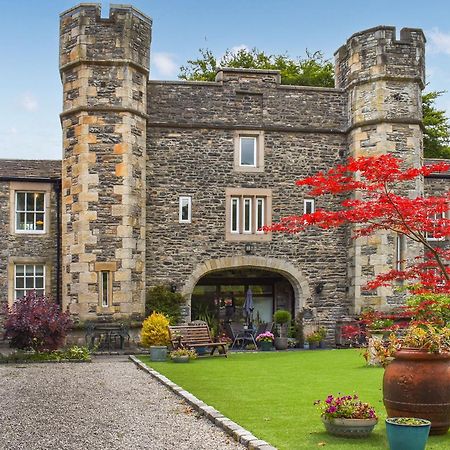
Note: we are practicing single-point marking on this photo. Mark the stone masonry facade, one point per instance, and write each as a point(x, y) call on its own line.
point(132, 147)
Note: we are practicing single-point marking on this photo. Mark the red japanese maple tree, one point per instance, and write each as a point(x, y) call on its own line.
point(379, 203)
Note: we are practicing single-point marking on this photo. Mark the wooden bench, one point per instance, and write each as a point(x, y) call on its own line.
point(194, 336)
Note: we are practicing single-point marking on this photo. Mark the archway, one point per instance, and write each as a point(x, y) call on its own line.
point(219, 272)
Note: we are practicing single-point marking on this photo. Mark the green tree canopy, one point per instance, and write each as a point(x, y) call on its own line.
point(436, 138)
point(314, 70)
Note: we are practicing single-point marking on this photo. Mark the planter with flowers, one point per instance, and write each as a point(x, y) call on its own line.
point(182, 355)
point(347, 416)
point(265, 341)
point(314, 339)
point(417, 382)
point(407, 433)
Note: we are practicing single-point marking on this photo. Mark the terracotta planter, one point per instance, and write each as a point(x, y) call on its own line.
point(417, 384)
point(353, 428)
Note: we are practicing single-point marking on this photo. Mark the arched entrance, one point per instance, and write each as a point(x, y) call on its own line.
point(275, 283)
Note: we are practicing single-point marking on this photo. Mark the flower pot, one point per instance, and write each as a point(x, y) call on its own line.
point(180, 359)
point(417, 384)
point(313, 345)
point(351, 428)
point(407, 437)
point(281, 343)
point(265, 346)
point(158, 353)
point(201, 351)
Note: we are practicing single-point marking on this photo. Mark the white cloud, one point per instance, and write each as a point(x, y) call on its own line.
point(29, 102)
point(165, 64)
point(439, 42)
point(234, 50)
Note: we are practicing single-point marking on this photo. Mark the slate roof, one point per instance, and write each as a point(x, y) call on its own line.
point(30, 168)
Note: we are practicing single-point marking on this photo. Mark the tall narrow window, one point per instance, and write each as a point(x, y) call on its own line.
point(29, 278)
point(104, 288)
point(247, 215)
point(185, 214)
point(235, 215)
point(259, 214)
point(30, 212)
point(399, 252)
point(308, 206)
point(247, 154)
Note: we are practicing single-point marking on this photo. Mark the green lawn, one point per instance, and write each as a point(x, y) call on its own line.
point(272, 394)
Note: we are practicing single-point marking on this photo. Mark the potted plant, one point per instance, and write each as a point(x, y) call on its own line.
point(347, 416)
point(313, 340)
point(407, 433)
point(182, 355)
point(322, 334)
point(416, 383)
point(155, 334)
point(265, 341)
point(282, 318)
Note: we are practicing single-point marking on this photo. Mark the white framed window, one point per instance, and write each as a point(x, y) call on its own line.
point(247, 151)
point(248, 215)
point(28, 278)
point(248, 210)
point(104, 290)
point(185, 209)
point(309, 206)
point(234, 219)
point(29, 212)
point(260, 214)
point(430, 236)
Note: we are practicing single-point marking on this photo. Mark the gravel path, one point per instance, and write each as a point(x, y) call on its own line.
point(108, 404)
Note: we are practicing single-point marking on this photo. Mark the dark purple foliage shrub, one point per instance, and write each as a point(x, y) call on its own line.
point(36, 322)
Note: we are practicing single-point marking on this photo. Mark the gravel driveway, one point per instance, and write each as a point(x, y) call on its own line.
point(108, 404)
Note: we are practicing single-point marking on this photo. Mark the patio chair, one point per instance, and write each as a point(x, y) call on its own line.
point(241, 337)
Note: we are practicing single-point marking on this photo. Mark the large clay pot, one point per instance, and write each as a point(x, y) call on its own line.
point(281, 343)
point(417, 384)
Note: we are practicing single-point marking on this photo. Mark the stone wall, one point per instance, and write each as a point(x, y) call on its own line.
point(190, 147)
point(25, 247)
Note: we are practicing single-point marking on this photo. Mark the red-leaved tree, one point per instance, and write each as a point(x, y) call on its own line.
point(379, 205)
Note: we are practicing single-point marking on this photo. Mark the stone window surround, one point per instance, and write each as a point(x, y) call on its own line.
point(248, 192)
point(13, 260)
point(29, 186)
point(259, 135)
point(110, 267)
point(189, 199)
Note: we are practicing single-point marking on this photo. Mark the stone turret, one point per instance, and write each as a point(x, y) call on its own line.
point(104, 66)
point(383, 78)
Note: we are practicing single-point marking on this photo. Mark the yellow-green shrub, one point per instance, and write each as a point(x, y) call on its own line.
point(154, 330)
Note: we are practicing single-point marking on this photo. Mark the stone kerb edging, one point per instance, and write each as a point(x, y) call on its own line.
point(237, 432)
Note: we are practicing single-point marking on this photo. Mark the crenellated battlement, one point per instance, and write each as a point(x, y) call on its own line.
point(376, 53)
point(123, 36)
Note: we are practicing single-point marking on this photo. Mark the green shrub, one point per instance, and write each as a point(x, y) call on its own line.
point(282, 316)
point(162, 300)
point(155, 330)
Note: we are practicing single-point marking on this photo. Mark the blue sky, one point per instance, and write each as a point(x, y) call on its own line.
point(30, 88)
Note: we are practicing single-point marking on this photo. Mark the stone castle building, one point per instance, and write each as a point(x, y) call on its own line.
point(168, 182)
